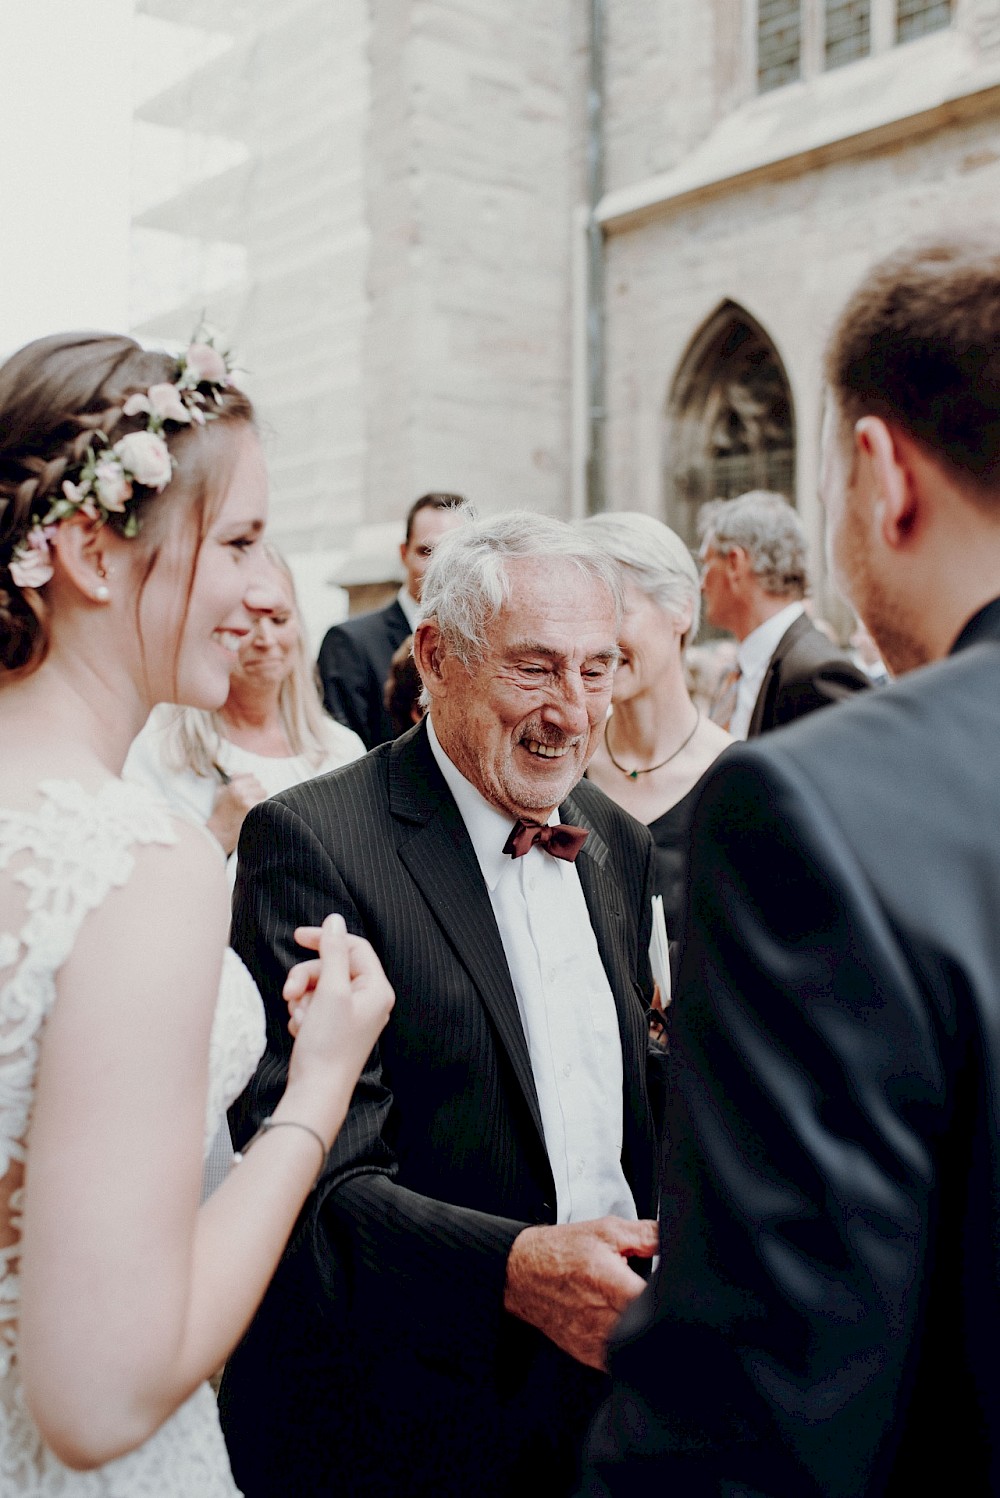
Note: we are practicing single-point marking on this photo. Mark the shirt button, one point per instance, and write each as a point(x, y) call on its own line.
point(567, 1069)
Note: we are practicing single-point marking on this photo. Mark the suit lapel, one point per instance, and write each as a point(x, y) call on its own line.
point(441, 860)
point(761, 708)
point(395, 625)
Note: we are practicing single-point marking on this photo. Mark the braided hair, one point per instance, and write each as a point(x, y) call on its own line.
point(55, 395)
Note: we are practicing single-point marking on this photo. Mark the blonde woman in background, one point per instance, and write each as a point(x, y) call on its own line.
point(271, 732)
point(657, 743)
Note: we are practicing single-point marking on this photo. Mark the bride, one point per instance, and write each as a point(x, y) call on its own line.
point(132, 501)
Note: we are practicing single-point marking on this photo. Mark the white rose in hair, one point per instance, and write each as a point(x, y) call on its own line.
point(202, 361)
point(146, 458)
point(111, 483)
point(165, 402)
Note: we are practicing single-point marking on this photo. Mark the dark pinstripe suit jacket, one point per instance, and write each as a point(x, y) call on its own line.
point(391, 1295)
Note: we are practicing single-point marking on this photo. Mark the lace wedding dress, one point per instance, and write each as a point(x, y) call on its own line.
point(64, 856)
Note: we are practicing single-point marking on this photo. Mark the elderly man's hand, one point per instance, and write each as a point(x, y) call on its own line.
point(573, 1282)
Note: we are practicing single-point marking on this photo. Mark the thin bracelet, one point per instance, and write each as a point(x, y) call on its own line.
point(284, 1123)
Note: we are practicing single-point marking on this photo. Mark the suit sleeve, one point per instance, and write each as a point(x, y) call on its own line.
point(400, 1263)
point(344, 673)
point(770, 1354)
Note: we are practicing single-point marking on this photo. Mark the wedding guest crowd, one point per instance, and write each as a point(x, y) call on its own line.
point(470, 1186)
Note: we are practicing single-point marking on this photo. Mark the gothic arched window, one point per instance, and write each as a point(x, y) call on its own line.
point(731, 426)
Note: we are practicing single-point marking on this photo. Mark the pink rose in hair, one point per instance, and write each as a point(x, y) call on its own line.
point(111, 483)
point(136, 404)
point(146, 457)
point(31, 564)
point(203, 363)
point(165, 402)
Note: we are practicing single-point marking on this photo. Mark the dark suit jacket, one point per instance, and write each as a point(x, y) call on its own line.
point(805, 672)
point(826, 1315)
point(353, 665)
point(384, 1337)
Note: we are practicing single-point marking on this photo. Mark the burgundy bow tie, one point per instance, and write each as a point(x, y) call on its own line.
point(562, 840)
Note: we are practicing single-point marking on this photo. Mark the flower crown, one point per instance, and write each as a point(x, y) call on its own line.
point(106, 478)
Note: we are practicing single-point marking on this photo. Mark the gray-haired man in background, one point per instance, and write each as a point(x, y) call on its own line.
point(754, 580)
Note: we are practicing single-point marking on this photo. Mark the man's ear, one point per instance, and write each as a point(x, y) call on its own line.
point(404, 547)
point(428, 654)
point(884, 468)
point(737, 563)
point(82, 549)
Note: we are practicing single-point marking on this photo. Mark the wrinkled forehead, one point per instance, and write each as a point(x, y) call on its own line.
point(556, 606)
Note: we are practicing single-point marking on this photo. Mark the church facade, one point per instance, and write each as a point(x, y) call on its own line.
point(565, 256)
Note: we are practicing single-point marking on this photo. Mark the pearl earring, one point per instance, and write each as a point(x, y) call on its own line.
point(102, 593)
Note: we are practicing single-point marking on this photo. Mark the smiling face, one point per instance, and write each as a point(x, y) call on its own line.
point(205, 611)
point(523, 722)
point(268, 653)
point(650, 642)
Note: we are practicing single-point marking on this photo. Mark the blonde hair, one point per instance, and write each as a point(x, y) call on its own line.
point(193, 738)
point(656, 559)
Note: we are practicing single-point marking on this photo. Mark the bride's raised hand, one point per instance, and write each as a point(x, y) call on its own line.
point(338, 1002)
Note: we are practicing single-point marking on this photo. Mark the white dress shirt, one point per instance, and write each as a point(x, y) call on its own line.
point(753, 658)
point(409, 605)
point(565, 1002)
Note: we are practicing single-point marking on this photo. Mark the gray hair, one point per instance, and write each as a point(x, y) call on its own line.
point(656, 559)
point(768, 529)
point(466, 584)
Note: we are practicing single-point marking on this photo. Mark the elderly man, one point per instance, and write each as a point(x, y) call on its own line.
point(826, 1314)
point(355, 656)
point(439, 1325)
point(753, 558)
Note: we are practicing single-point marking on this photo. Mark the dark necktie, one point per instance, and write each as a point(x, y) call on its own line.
point(562, 840)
